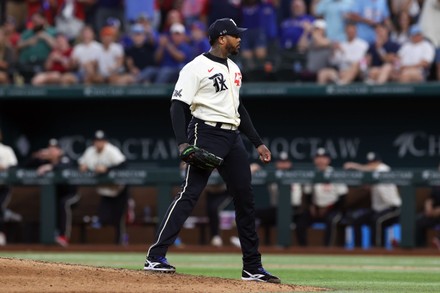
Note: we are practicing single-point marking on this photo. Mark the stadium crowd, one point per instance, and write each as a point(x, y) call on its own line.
point(125, 42)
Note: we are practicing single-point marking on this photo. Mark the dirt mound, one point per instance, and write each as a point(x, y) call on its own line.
point(17, 275)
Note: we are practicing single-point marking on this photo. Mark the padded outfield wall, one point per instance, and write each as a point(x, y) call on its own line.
point(401, 122)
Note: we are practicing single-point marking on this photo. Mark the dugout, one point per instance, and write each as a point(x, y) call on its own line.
point(398, 121)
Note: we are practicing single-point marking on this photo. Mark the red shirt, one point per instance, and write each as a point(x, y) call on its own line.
point(58, 66)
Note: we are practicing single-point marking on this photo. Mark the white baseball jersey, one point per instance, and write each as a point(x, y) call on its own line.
point(7, 157)
point(109, 157)
point(211, 89)
point(384, 196)
point(325, 194)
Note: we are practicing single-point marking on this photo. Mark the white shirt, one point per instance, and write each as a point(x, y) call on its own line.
point(325, 194)
point(429, 21)
point(110, 156)
point(351, 52)
point(7, 157)
point(107, 60)
point(413, 53)
point(85, 53)
point(384, 196)
point(211, 90)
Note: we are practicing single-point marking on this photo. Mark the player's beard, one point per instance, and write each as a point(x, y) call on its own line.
point(233, 50)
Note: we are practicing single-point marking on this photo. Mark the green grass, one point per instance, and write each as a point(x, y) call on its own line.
point(340, 273)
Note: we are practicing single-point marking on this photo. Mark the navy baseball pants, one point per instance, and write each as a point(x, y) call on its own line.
point(235, 171)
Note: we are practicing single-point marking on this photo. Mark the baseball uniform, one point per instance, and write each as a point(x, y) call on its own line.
point(207, 93)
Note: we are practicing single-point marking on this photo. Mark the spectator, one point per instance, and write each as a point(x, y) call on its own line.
point(430, 15)
point(17, 10)
point(347, 57)
point(198, 40)
point(254, 41)
point(415, 57)
point(57, 64)
point(84, 58)
point(135, 9)
point(140, 56)
point(400, 34)
point(106, 9)
point(194, 10)
point(100, 158)
point(70, 18)
point(409, 7)
point(385, 203)
point(47, 8)
point(267, 217)
point(11, 33)
point(366, 14)
point(317, 47)
point(7, 160)
point(334, 13)
point(7, 59)
point(172, 54)
point(110, 65)
point(381, 57)
point(291, 29)
point(173, 16)
point(324, 203)
point(35, 46)
point(52, 158)
point(224, 8)
point(429, 217)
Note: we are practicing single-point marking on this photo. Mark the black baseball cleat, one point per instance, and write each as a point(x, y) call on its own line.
point(158, 264)
point(259, 275)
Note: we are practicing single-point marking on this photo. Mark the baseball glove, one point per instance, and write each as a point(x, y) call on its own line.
point(200, 158)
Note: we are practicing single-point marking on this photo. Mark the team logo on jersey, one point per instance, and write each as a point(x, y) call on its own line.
point(219, 82)
point(177, 93)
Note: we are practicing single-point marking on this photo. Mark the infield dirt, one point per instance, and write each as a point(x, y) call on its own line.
point(18, 275)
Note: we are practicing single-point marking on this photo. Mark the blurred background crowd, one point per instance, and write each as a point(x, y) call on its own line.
point(125, 42)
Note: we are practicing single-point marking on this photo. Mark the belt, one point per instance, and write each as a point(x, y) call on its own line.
point(221, 125)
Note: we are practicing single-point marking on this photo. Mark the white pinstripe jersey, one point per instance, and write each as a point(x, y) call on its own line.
point(211, 89)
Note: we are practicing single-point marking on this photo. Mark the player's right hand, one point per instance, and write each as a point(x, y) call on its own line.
point(182, 146)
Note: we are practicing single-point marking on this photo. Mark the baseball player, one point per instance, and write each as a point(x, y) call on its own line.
point(208, 89)
point(7, 160)
point(100, 158)
point(324, 202)
point(49, 159)
point(385, 203)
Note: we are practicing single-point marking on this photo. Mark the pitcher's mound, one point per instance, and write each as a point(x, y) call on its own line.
point(19, 275)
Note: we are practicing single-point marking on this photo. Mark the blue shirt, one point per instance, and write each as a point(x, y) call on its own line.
point(334, 12)
point(136, 8)
point(375, 10)
point(291, 30)
point(169, 61)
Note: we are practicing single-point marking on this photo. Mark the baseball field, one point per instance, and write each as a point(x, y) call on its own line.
point(40, 271)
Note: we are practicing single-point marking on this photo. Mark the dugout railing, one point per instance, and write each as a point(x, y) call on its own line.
point(165, 178)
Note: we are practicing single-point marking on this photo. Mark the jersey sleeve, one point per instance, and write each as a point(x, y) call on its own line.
point(187, 85)
point(12, 159)
point(116, 156)
point(84, 159)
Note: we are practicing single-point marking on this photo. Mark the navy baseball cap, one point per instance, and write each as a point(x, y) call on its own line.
point(222, 27)
point(322, 152)
point(100, 135)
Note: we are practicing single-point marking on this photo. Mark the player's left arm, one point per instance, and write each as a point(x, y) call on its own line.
point(247, 127)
